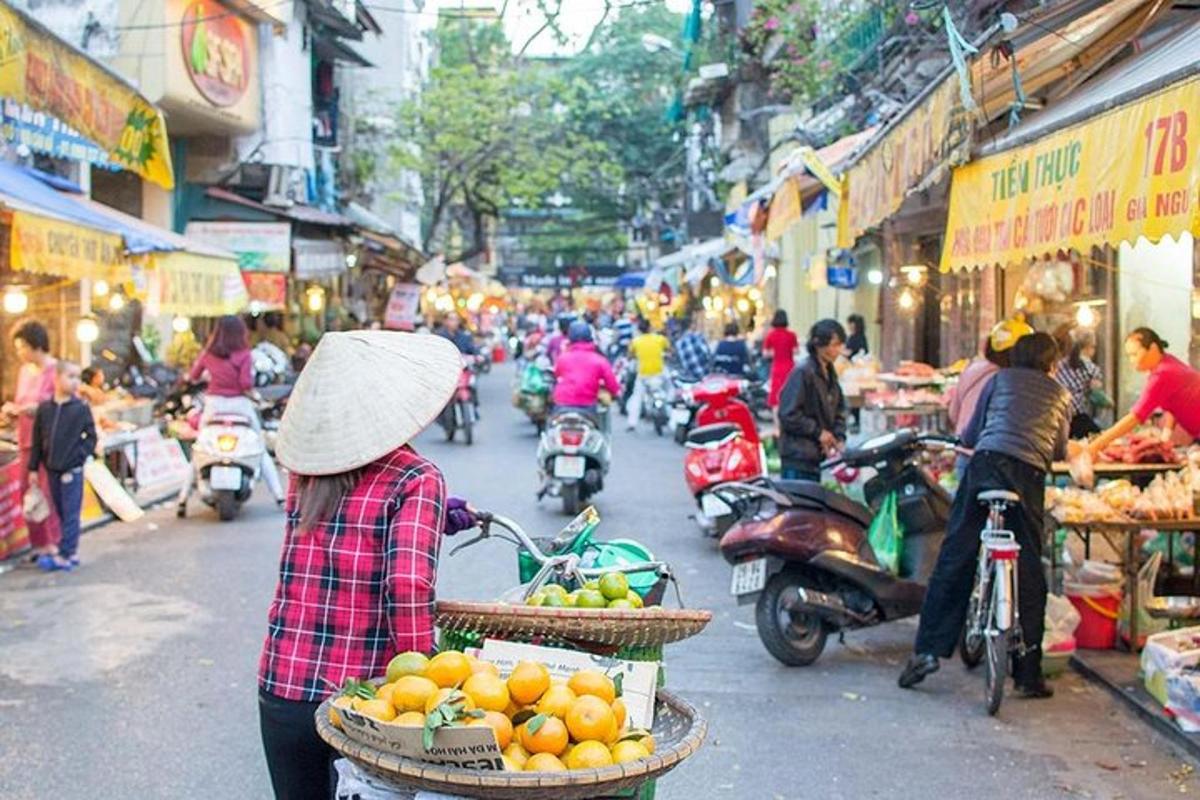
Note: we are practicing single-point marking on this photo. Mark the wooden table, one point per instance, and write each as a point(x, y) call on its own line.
point(1130, 529)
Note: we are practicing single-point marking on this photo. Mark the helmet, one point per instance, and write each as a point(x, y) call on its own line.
point(579, 332)
point(1005, 334)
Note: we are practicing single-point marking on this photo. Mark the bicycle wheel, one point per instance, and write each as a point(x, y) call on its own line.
point(970, 644)
point(996, 646)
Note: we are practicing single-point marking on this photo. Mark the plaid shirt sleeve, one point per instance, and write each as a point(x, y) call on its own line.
point(693, 355)
point(411, 557)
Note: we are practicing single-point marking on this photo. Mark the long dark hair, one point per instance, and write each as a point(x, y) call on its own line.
point(780, 320)
point(1147, 337)
point(1083, 342)
point(229, 337)
point(856, 322)
point(822, 333)
point(318, 497)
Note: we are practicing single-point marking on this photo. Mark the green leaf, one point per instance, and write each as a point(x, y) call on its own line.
point(199, 52)
point(619, 682)
point(535, 724)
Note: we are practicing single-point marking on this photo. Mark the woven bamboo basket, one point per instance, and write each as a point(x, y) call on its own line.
point(678, 732)
point(630, 628)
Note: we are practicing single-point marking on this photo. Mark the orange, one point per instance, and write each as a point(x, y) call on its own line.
point(517, 753)
point(411, 692)
point(556, 702)
point(589, 681)
point(341, 701)
point(413, 719)
point(544, 762)
point(384, 692)
point(618, 707)
point(626, 751)
point(499, 725)
point(529, 681)
point(509, 764)
point(488, 691)
point(410, 663)
point(376, 709)
point(642, 737)
point(442, 695)
point(478, 666)
point(449, 668)
point(591, 719)
point(513, 708)
point(551, 737)
point(589, 755)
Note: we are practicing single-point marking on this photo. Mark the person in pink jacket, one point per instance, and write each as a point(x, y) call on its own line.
point(581, 372)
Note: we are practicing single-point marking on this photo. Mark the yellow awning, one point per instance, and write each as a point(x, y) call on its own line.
point(48, 246)
point(1133, 171)
point(195, 285)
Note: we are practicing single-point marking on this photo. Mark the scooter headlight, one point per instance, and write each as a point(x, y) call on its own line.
point(227, 443)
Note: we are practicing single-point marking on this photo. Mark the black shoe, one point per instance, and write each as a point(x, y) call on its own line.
point(918, 666)
point(1035, 691)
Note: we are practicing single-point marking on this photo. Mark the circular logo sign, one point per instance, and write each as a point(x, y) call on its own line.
point(214, 52)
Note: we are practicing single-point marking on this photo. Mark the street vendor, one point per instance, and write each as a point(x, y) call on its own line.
point(1172, 387)
point(365, 517)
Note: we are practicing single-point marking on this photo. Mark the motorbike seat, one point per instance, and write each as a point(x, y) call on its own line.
point(575, 416)
point(229, 419)
point(712, 434)
point(834, 501)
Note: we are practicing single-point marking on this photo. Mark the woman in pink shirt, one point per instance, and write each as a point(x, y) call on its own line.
point(581, 372)
point(1172, 387)
point(35, 385)
point(226, 360)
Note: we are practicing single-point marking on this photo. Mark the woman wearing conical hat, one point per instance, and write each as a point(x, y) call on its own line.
point(365, 516)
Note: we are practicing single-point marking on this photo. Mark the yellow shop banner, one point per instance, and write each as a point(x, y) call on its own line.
point(41, 71)
point(1134, 171)
point(48, 246)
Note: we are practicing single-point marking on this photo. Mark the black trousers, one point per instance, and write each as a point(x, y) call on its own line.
point(945, 609)
point(300, 763)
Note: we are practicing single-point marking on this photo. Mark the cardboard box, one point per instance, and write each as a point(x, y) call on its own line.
point(1165, 653)
point(471, 747)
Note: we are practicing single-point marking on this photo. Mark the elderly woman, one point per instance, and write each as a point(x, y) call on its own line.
point(365, 517)
point(35, 385)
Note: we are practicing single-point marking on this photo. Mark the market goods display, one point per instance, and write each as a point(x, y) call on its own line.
point(905, 398)
point(610, 590)
point(1140, 448)
point(1169, 497)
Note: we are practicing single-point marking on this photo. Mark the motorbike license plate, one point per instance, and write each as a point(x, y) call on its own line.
point(569, 466)
point(680, 416)
point(713, 506)
point(225, 478)
point(749, 577)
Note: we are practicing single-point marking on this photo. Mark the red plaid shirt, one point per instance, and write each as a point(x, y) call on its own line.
point(359, 589)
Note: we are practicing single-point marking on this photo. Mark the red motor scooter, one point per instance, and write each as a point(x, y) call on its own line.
point(723, 447)
point(801, 551)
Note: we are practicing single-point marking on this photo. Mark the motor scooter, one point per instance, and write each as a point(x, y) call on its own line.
point(461, 413)
point(227, 458)
point(722, 447)
point(800, 552)
point(573, 456)
point(532, 393)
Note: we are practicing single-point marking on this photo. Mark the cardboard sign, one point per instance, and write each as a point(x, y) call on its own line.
point(471, 747)
point(638, 684)
point(160, 463)
point(403, 307)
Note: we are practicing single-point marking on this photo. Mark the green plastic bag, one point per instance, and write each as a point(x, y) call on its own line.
point(886, 535)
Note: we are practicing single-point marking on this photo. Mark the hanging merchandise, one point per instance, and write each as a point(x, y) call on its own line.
point(960, 49)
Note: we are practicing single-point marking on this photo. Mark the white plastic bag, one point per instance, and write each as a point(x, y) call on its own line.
point(1147, 624)
point(34, 505)
point(1062, 618)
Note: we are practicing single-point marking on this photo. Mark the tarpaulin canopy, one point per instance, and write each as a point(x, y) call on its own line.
point(630, 280)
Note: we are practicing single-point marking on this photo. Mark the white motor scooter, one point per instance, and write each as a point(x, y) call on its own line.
point(227, 460)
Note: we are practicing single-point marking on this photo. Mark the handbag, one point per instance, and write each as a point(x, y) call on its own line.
point(34, 505)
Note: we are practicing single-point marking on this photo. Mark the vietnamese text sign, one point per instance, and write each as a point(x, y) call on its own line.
point(196, 285)
point(403, 307)
point(159, 463)
point(46, 74)
point(53, 247)
point(469, 747)
point(1131, 172)
point(266, 290)
point(43, 133)
point(259, 246)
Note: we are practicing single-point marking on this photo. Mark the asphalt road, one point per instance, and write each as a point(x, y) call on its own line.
point(135, 676)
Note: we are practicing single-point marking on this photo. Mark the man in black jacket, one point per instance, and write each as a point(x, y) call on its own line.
point(812, 409)
point(64, 437)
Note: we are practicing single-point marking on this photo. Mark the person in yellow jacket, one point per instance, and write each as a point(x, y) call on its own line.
point(649, 348)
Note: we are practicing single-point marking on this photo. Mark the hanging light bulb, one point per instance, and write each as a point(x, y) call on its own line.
point(1085, 316)
point(15, 300)
point(181, 324)
point(314, 298)
point(87, 330)
point(875, 277)
point(100, 288)
point(116, 302)
point(743, 305)
point(714, 282)
point(907, 300)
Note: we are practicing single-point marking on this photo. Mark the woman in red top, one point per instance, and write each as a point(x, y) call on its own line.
point(781, 344)
point(365, 517)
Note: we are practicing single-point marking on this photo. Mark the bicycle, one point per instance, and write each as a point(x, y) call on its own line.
point(993, 628)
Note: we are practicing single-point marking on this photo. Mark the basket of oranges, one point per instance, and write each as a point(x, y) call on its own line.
point(562, 737)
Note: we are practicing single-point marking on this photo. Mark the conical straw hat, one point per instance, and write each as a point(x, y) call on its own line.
point(362, 395)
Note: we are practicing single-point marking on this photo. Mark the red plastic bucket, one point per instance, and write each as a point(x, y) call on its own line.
point(1098, 614)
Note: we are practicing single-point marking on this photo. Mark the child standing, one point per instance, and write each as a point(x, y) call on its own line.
point(1019, 427)
point(64, 437)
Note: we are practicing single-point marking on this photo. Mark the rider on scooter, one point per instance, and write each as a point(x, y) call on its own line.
point(581, 372)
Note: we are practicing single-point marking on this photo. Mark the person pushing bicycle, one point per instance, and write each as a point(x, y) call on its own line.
point(1019, 428)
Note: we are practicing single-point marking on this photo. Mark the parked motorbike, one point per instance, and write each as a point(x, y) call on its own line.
point(801, 553)
point(461, 413)
point(723, 447)
point(573, 457)
point(533, 391)
point(227, 458)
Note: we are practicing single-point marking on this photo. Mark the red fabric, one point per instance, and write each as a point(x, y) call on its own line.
point(227, 377)
point(360, 589)
point(33, 388)
point(579, 374)
point(781, 343)
point(1174, 387)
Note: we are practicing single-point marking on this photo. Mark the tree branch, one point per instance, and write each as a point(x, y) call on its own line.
point(599, 25)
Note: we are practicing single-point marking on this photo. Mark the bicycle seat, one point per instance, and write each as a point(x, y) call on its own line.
point(998, 496)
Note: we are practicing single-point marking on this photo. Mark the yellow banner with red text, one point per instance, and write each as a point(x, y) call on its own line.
point(1131, 172)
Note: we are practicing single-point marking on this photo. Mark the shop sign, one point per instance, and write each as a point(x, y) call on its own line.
point(160, 464)
point(937, 131)
point(48, 75)
point(215, 52)
point(259, 246)
point(42, 133)
point(196, 285)
point(267, 290)
point(317, 259)
point(403, 307)
point(1131, 172)
point(48, 246)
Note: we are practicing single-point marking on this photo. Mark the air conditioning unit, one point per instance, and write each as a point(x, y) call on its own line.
point(280, 190)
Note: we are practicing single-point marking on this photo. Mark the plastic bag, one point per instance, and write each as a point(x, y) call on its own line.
point(1147, 624)
point(886, 534)
point(1062, 618)
point(34, 505)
